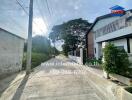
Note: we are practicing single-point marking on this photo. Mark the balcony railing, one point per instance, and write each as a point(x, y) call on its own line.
point(118, 24)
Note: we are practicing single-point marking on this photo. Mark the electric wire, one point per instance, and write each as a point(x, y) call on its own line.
point(27, 13)
point(39, 9)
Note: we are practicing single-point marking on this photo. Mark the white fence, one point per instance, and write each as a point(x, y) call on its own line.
point(76, 59)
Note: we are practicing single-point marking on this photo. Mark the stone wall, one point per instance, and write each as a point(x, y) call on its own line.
point(11, 53)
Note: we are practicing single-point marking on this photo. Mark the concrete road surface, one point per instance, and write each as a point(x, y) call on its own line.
point(57, 79)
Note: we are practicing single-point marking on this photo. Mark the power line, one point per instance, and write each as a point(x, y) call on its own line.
point(51, 9)
point(22, 7)
point(39, 8)
point(26, 12)
point(43, 3)
point(48, 8)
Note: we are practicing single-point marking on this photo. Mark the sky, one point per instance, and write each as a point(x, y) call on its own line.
point(14, 13)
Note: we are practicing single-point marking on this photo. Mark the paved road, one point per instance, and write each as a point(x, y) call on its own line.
point(57, 79)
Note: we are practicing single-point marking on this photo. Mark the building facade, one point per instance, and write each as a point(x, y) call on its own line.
point(114, 29)
point(11, 53)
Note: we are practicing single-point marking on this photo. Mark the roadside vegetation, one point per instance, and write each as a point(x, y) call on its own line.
point(93, 61)
point(116, 61)
point(41, 51)
point(72, 33)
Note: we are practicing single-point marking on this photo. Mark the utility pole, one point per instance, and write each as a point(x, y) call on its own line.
point(29, 41)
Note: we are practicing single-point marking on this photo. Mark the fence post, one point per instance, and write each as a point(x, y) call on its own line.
point(81, 55)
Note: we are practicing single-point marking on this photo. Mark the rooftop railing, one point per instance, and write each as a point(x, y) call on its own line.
point(118, 24)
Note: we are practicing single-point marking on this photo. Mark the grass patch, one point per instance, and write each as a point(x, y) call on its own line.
point(37, 59)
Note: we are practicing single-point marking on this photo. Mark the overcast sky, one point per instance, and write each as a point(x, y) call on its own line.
point(14, 19)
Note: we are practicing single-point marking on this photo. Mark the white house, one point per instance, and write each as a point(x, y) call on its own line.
point(11, 53)
point(115, 29)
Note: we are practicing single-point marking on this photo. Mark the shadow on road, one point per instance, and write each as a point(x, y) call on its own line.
point(6, 81)
point(20, 89)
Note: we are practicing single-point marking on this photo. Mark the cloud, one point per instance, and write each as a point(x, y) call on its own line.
point(62, 11)
point(39, 27)
point(76, 7)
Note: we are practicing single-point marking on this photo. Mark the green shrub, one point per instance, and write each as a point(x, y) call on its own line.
point(93, 61)
point(115, 60)
point(122, 62)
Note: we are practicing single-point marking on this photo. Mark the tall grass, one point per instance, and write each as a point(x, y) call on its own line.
point(37, 59)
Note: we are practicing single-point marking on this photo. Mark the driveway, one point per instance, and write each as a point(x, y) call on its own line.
point(56, 79)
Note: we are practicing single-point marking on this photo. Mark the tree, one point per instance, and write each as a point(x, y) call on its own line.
point(66, 49)
point(55, 34)
point(54, 51)
point(115, 60)
point(41, 44)
point(72, 32)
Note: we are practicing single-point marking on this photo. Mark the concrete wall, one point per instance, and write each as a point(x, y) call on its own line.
point(11, 53)
point(76, 59)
